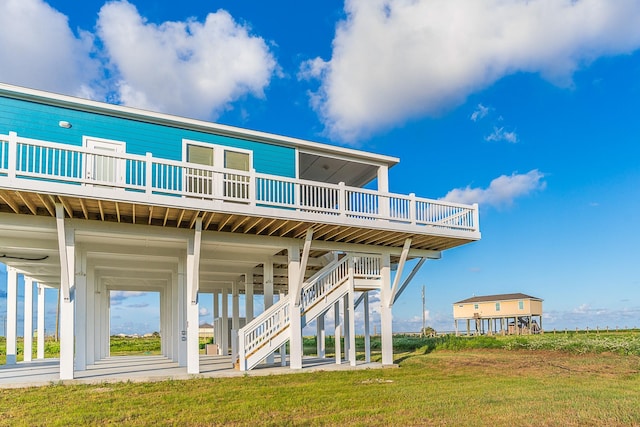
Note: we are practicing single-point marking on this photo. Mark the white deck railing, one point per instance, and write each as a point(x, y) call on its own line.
point(35, 159)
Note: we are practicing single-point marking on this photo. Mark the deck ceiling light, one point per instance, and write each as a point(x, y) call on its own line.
point(64, 124)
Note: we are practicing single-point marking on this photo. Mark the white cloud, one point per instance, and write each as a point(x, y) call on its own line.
point(480, 113)
point(499, 134)
point(117, 297)
point(39, 50)
point(190, 68)
point(501, 191)
point(204, 311)
point(394, 60)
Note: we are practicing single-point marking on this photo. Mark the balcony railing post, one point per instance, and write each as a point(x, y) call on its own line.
point(413, 212)
point(384, 207)
point(253, 184)
point(342, 199)
point(476, 217)
point(148, 180)
point(12, 155)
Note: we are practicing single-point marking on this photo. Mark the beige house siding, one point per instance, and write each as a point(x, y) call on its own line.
point(506, 313)
point(489, 309)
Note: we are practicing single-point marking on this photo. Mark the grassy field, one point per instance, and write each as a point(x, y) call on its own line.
point(563, 380)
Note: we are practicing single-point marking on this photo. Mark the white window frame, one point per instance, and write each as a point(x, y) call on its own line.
point(218, 164)
point(218, 161)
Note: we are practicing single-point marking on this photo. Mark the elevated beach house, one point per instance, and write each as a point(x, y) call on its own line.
point(505, 314)
point(96, 198)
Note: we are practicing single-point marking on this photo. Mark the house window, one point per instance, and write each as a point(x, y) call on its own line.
point(497, 306)
point(475, 306)
point(521, 305)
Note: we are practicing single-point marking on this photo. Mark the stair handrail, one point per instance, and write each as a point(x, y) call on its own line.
point(323, 281)
point(319, 285)
point(264, 327)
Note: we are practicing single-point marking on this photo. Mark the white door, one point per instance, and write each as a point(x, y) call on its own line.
point(102, 165)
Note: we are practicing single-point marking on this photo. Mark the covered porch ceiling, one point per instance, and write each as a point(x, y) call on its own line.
point(319, 168)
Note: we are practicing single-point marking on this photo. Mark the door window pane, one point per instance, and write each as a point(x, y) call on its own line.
point(199, 181)
point(200, 155)
point(236, 161)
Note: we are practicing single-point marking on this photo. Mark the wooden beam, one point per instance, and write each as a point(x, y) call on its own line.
point(84, 208)
point(166, 217)
point(194, 218)
point(278, 227)
point(118, 211)
point(211, 216)
point(133, 218)
point(180, 218)
point(47, 205)
point(28, 203)
point(238, 224)
point(222, 224)
point(287, 230)
point(150, 214)
point(253, 224)
point(101, 209)
point(10, 202)
point(67, 207)
point(266, 225)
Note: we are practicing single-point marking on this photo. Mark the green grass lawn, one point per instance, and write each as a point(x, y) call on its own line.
point(506, 381)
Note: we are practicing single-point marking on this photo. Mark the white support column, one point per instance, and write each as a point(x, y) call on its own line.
point(90, 314)
point(320, 336)
point(349, 326)
point(350, 321)
point(225, 321)
point(28, 319)
point(248, 295)
point(235, 320)
point(168, 332)
point(386, 319)
point(182, 312)
point(336, 316)
point(268, 293)
point(193, 287)
point(12, 315)
point(367, 332)
point(40, 322)
point(81, 331)
point(105, 321)
point(66, 245)
point(216, 304)
point(295, 342)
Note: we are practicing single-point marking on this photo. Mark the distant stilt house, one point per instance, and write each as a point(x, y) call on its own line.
point(500, 314)
point(205, 330)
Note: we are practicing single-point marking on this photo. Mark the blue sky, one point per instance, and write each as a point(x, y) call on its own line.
point(526, 107)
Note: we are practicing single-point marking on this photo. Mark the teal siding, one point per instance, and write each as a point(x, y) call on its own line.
point(40, 121)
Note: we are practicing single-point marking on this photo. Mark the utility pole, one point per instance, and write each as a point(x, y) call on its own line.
point(423, 317)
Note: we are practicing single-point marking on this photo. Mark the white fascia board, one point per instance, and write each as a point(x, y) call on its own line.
point(75, 103)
